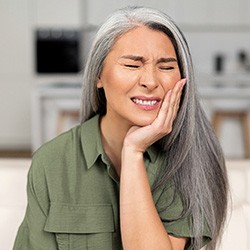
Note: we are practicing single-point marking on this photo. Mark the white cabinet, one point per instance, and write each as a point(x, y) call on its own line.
point(228, 94)
point(48, 103)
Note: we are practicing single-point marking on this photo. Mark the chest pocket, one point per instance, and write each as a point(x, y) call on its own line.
point(80, 227)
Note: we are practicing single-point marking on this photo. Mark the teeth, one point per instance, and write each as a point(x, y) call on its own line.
point(144, 102)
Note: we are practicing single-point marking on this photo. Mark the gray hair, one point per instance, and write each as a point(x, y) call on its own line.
point(194, 159)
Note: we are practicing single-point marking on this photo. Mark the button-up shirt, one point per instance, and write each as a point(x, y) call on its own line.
point(73, 196)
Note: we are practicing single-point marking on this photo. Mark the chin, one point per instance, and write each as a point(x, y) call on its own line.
point(144, 120)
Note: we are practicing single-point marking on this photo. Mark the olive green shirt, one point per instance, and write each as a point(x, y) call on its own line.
point(73, 196)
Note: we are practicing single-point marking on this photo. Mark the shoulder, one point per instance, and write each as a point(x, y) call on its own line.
point(57, 151)
point(56, 163)
point(59, 144)
point(66, 154)
point(69, 143)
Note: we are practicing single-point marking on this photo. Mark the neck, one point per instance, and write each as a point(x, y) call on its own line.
point(113, 135)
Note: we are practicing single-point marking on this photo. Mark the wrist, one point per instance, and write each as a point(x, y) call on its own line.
point(132, 147)
point(130, 153)
point(132, 150)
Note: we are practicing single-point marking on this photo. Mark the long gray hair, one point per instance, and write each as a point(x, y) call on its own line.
point(194, 157)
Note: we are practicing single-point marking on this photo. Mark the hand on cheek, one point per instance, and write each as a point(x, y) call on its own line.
point(170, 107)
point(140, 138)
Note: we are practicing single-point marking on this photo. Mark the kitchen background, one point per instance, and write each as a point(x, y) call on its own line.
point(35, 103)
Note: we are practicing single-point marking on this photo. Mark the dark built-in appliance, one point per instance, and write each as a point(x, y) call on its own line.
point(58, 51)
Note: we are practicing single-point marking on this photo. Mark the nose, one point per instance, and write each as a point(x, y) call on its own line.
point(148, 79)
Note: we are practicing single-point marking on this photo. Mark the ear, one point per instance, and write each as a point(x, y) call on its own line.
point(99, 83)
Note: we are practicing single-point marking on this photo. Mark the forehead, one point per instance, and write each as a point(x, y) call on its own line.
point(143, 38)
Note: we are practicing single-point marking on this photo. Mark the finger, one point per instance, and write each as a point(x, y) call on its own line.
point(172, 94)
point(175, 100)
point(169, 107)
point(179, 87)
point(162, 114)
point(178, 97)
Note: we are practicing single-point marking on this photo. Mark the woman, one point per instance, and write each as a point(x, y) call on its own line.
point(144, 169)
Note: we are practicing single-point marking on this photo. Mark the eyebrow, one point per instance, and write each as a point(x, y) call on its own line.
point(134, 58)
point(142, 59)
point(166, 60)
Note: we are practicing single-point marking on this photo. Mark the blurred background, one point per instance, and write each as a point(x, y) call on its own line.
point(44, 44)
point(43, 48)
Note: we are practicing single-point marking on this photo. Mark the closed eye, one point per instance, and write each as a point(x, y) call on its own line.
point(167, 68)
point(131, 66)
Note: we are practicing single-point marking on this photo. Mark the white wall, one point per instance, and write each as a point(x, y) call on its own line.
point(187, 12)
point(15, 73)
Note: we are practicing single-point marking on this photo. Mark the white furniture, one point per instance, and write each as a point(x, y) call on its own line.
point(13, 175)
point(228, 97)
point(48, 103)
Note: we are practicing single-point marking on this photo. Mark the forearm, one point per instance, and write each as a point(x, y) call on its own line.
point(141, 227)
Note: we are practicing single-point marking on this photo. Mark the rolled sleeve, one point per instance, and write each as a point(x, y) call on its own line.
point(176, 223)
point(31, 234)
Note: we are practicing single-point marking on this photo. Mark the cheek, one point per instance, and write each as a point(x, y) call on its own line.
point(170, 81)
point(113, 85)
point(118, 80)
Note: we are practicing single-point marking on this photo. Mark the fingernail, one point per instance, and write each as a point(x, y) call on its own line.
point(181, 84)
point(183, 81)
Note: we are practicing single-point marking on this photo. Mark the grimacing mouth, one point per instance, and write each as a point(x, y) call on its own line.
point(145, 101)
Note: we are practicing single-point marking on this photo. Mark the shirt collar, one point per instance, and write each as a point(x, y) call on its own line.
point(152, 152)
point(92, 144)
point(91, 140)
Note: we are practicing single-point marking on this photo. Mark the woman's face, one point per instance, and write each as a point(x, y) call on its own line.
point(139, 70)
